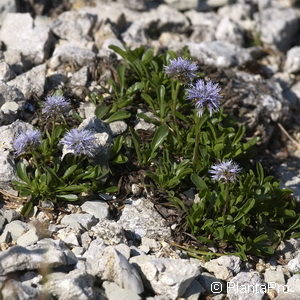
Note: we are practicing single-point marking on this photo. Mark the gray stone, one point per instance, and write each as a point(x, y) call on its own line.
point(293, 284)
point(6, 73)
point(2, 223)
point(79, 221)
point(7, 169)
point(46, 252)
point(11, 102)
point(123, 249)
point(289, 176)
point(85, 240)
point(32, 82)
point(106, 30)
point(114, 292)
point(194, 291)
point(110, 232)
point(28, 238)
point(288, 249)
point(294, 264)
point(161, 274)
point(97, 208)
point(135, 36)
point(163, 18)
point(6, 6)
point(274, 276)
point(114, 267)
point(183, 5)
point(142, 124)
point(219, 54)
point(74, 25)
point(287, 296)
point(16, 61)
point(279, 27)
point(105, 51)
point(118, 127)
point(138, 5)
point(86, 110)
point(224, 267)
point(240, 13)
point(16, 228)
point(142, 219)
point(15, 290)
point(112, 12)
point(246, 280)
point(31, 38)
point(211, 284)
point(74, 285)
point(80, 78)
point(78, 251)
point(5, 237)
point(94, 252)
point(229, 31)
point(292, 63)
point(69, 236)
point(70, 54)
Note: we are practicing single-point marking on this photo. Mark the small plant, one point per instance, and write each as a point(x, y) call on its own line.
point(57, 165)
point(194, 145)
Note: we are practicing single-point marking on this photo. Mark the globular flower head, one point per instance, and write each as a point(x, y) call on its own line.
point(80, 142)
point(27, 141)
point(55, 106)
point(182, 69)
point(205, 95)
point(226, 171)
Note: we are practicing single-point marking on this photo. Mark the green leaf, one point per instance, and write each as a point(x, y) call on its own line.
point(101, 111)
point(69, 171)
point(22, 173)
point(199, 182)
point(239, 135)
point(73, 188)
point(159, 136)
point(260, 173)
point(68, 197)
point(120, 159)
point(119, 115)
point(147, 56)
point(27, 208)
point(245, 209)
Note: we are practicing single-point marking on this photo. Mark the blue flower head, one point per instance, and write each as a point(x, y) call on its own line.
point(80, 142)
point(182, 69)
point(55, 106)
point(27, 141)
point(205, 95)
point(226, 171)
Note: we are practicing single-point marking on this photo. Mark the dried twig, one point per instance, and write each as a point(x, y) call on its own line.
point(289, 136)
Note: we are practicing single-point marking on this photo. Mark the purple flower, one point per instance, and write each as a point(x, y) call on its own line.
point(27, 141)
point(205, 95)
point(55, 106)
point(80, 142)
point(182, 69)
point(225, 171)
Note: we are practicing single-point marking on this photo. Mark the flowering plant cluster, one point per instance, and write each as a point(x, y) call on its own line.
point(56, 161)
point(191, 146)
point(195, 145)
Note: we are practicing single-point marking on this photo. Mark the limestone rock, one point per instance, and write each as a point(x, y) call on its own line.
point(141, 218)
point(45, 252)
point(32, 39)
point(161, 274)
